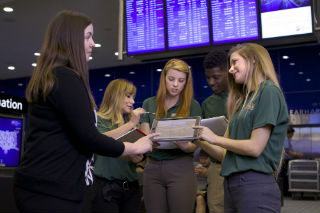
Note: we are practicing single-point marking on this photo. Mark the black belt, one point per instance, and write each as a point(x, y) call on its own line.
point(124, 183)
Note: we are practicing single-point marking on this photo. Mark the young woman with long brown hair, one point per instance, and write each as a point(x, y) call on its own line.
point(61, 133)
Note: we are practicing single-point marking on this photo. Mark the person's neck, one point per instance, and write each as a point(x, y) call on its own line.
point(171, 101)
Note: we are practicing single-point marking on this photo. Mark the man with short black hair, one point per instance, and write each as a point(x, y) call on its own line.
point(216, 71)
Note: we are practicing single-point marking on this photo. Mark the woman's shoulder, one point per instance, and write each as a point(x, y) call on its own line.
point(194, 102)
point(63, 71)
point(150, 100)
point(270, 87)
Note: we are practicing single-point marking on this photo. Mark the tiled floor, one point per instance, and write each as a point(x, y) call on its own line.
point(301, 205)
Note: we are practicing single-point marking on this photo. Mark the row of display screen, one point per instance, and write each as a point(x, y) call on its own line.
point(192, 23)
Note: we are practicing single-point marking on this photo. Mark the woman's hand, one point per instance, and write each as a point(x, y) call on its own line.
point(206, 134)
point(201, 171)
point(186, 146)
point(145, 144)
point(135, 115)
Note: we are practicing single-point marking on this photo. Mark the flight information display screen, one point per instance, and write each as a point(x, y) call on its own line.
point(145, 26)
point(234, 21)
point(285, 18)
point(188, 23)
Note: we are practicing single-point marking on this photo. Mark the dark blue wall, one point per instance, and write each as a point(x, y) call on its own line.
point(300, 94)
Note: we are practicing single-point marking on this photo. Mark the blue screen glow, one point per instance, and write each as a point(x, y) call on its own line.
point(234, 20)
point(10, 141)
point(188, 24)
point(145, 26)
point(274, 5)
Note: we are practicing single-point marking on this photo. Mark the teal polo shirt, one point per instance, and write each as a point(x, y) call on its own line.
point(113, 168)
point(150, 106)
point(269, 107)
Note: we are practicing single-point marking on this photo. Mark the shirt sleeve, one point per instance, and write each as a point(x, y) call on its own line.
point(72, 103)
point(195, 109)
point(267, 107)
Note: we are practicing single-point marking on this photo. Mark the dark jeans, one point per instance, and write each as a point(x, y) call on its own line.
point(114, 196)
point(28, 201)
point(250, 192)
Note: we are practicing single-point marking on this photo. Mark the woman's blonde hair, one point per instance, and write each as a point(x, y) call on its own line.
point(259, 64)
point(186, 94)
point(113, 99)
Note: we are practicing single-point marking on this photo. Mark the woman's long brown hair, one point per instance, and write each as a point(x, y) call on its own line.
point(63, 45)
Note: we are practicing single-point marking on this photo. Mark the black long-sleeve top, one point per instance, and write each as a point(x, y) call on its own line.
point(61, 137)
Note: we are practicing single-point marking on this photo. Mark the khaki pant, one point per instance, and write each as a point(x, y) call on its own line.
point(215, 191)
point(169, 185)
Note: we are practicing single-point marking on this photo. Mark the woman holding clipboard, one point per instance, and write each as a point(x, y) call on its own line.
point(258, 119)
point(169, 183)
point(116, 187)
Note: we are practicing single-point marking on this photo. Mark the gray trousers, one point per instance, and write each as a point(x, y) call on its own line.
point(251, 192)
point(169, 185)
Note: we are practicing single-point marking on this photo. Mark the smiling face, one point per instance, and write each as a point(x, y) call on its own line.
point(128, 102)
point(88, 41)
point(217, 79)
point(175, 82)
point(238, 68)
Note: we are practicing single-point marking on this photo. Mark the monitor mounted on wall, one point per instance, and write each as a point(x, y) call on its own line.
point(158, 29)
point(11, 140)
point(285, 18)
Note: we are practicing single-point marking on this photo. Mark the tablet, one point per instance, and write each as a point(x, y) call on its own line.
point(175, 129)
point(131, 136)
point(218, 125)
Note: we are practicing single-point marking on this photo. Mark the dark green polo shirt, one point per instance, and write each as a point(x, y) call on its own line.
point(150, 106)
point(269, 107)
point(215, 106)
point(113, 168)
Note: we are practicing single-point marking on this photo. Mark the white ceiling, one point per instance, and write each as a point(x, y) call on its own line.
point(22, 32)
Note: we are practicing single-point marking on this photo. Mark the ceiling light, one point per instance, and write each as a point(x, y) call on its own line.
point(205, 86)
point(8, 9)
point(308, 79)
point(116, 53)
point(285, 57)
point(159, 70)
point(107, 75)
point(292, 64)
point(34, 64)
point(11, 68)
point(90, 58)
point(36, 54)
point(300, 73)
point(143, 85)
point(20, 84)
point(100, 90)
point(97, 45)
point(132, 73)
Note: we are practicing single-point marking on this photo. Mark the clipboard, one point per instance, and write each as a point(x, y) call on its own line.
point(131, 136)
point(218, 125)
point(175, 129)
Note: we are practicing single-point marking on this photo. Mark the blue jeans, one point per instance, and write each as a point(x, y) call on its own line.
point(250, 192)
